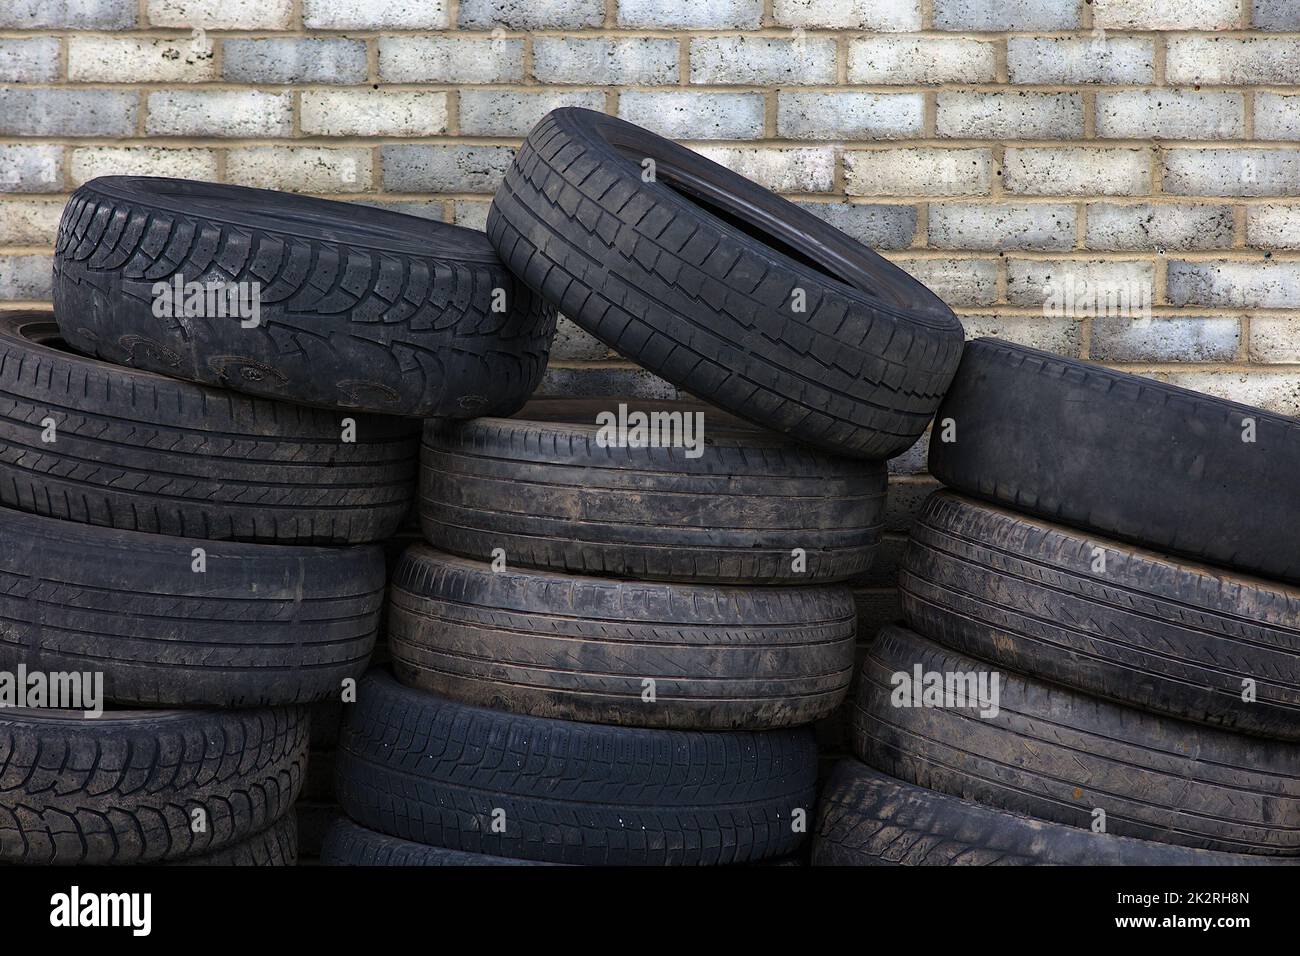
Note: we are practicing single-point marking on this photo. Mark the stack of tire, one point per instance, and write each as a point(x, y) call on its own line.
point(192, 495)
point(1124, 554)
point(609, 650)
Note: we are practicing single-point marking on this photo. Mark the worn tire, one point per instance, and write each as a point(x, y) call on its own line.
point(121, 788)
point(1148, 463)
point(143, 452)
point(360, 308)
point(548, 489)
point(695, 276)
point(1056, 754)
point(347, 844)
point(581, 648)
point(275, 846)
point(1165, 635)
point(865, 818)
point(424, 768)
point(263, 625)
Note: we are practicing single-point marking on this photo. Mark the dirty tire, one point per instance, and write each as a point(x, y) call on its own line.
point(360, 308)
point(1057, 754)
point(424, 768)
point(347, 844)
point(263, 625)
point(1165, 635)
point(582, 648)
point(143, 452)
point(547, 488)
point(121, 788)
point(865, 818)
point(275, 846)
point(1148, 463)
point(699, 274)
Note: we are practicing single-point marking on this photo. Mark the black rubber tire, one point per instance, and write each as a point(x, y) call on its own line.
point(347, 844)
point(865, 818)
point(581, 648)
point(1056, 754)
point(424, 768)
point(275, 846)
point(1168, 636)
point(263, 625)
point(545, 488)
point(360, 308)
point(143, 452)
point(695, 275)
point(1148, 463)
point(122, 787)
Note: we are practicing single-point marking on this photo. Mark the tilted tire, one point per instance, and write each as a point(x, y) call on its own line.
point(723, 288)
point(1056, 754)
point(86, 441)
point(259, 625)
point(129, 786)
point(549, 488)
point(1088, 612)
point(1146, 462)
point(424, 768)
point(347, 844)
point(275, 846)
point(357, 307)
point(865, 818)
point(613, 651)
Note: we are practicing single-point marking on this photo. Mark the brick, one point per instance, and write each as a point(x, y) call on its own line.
point(850, 115)
point(1076, 171)
point(762, 60)
point(309, 169)
point(219, 113)
point(603, 379)
point(471, 213)
point(1170, 114)
point(1048, 226)
point(698, 15)
point(689, 115)
point(1277, 116)
point(460, 59)
point(800, 169)
point(1098, 59)
point(90, 161)
point(633, 61)
point(1006, 14)
point(877, 15)
point(222, 14)
point(1017, 115)
point(1055, 335)
point(493, 113)
point(1275, 14)
point(30, 222)
point(1164, 339)
point(913, 461)
point(373, 113)
point(423, 208)
point(959, 282)
point(927, 171)
point(29, 60)
point(1157, 227)
point(1273, 227)
point(111, 59)
point(1231, 172)
point(295, 60)
point(1258, 284)
point(1166, 14)
point(1273, 391)
point(1082, 288)
point(67, 112)
point(878, 226)
point(531, 14)
point(35, 168)
point(1232, 61)
point(26, 278)
point(572, 344)
point(444, 169)
point(68, 14)
point(920, 60)
point(374, 14)
point(1275, 339)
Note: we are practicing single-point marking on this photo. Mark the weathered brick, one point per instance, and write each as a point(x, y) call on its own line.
point(1098, 59)
point(111, 59)
point(444, 169)
point(531, 14)
point(1067, 171)
point(700, 15)
point(1017, 115)
point(219, 113)
point(878, 226)
point(1273, 227)
point(762, 60)
point(309, 169)
point(876, 15)
point(1164, 339)
point(1277, 116)
point(31, 168)
point(434, 209)
point(572, 344)
point(29, 59)
point(850, 115)
point(601, 379)
point(1047, 226)
point(798, 169)
point(1082, 288)
point(1232, 60)
point(88, 162)
point(690, 115)
point(222, 14)
point(882, 59)
point(374, 14)
point(927, 171)
point(460, 59)
point(1231, 172)
point(1259, 284)
point(1006, 14)
point(1275, 339)
point(471, 213)
point(373, 113)
point(26, 278)
point(67, 112)
point(493, 113)
point(634, 61)
point(1170, 114)
point(33, 222)
point(1056, 335)
point(1157, 227)
point(1166, 14)
point(959, 282)
point(1273, 391)
point(68, 14)
point(1275, 14)
point(295, 60)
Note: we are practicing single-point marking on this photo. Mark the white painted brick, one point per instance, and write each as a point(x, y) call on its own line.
point(850, 115)
point(1275, 339)
point(1273, 226)
point(531, 14)
point(877, 15)
point(572, 344)
point(762, 60)
point(31, 168)
point(444, 169)
point(1017, 115)
point(222, 14)
point(31, 111)
point(1170, 114)
point(219, 113)
point(1261, 284)
point(634, 61)
point(1275, 14)
point(1098, 59)
point(1048, 226)
point(88, 162)
point(109, 59)
point(1068, 171)
point(1158, 227)
point(1082, 288)
point(307, 169)
point(690, 115)
point(1166, 14)
point(599, 379)
point(881, 59)
point(1277, 116)
point(295, 60)
point(374, 14)
point(471, 213)
point(26, 278)
point(1164, 339)
point(880, 226)
point(1055, 335)
point(493, 113)
point(459, 59)
point(29, 59)
point(1231, 172)
point(373, 113)
point(33, 222)
point(697, 14)
point(799, 169)
point(959, 282)
point(1273, 391)
point(72, 14)
point(1232, 60)
point(925, 171)
point(1006, 14)
point(423, 208)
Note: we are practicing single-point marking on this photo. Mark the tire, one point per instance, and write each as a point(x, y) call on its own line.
point(580, 648)
point(347, 844)
point(360, 308)
point(262, 625)
point(424, 768)
point(865, 818)
point(1059, 755)
point(1145, 462)
point(547, 488)
point(696, 275)
point(142, 452)
point(125, 787)
point(275, 846)
point(1145, 630)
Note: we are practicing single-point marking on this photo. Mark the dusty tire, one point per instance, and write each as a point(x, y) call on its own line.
point(275, 846)
point(347, 844)
point(262, 625)
point(546, 488)
point(143, 452)
point(697, 274)
point(1158, 466)
point(122, 788)
point(581, 648)
point(1146, 630)
point(423, 768)
point(1056, 754)
point(360, 308)
point(865, 818)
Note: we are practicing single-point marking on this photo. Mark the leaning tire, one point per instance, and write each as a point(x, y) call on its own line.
point(699, 275)
point(423, 768)
point(1161, 467)
point(360, 308)
point(551, 491)
point(261, 625)
point(347, 844)
point(619, 652)
point(1059, 755)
